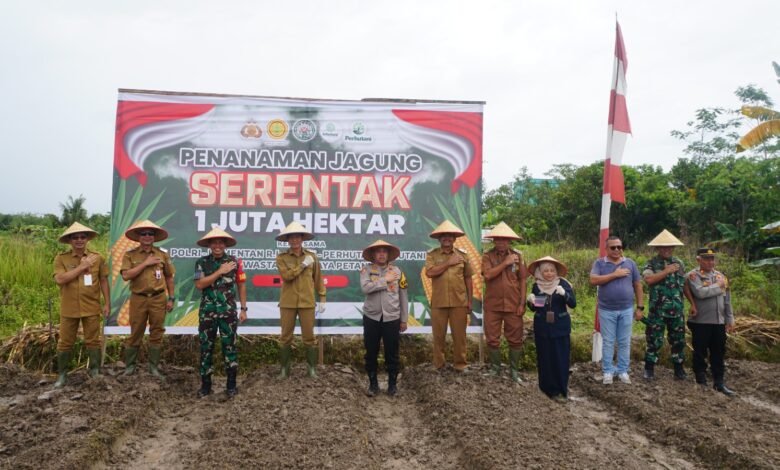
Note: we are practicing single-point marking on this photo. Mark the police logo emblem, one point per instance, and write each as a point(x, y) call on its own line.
point(251, 130)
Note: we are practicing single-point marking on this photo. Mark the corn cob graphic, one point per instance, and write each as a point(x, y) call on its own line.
point(123, 319)
point(117, 253)
point(191, 319)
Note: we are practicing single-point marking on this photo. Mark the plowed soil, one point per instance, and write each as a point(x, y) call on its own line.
point(438, 420)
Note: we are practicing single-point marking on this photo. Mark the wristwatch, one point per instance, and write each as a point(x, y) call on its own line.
point(171, 298)
point(244, 309)
point(640, 307)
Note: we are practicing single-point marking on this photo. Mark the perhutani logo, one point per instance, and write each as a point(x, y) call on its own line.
point(277, 129)
point(251, 130)
point(304, 130)
point(329, 131)
point(358, 131)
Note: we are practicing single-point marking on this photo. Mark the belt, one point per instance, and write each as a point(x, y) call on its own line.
point(153, 294)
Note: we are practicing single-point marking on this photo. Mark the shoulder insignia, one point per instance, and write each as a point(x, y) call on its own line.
point(132, 249)
point(402, 282)
point(363, 270)
point(162, 249)
point(462, 251)
point(692, 275)
point(432, 250)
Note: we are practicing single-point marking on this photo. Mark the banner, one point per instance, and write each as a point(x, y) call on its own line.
point(351, 172)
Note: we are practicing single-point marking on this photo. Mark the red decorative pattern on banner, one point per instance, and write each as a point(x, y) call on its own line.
point(133, 114)
point(467, 125)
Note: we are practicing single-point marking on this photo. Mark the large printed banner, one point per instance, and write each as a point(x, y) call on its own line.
point(351, 172)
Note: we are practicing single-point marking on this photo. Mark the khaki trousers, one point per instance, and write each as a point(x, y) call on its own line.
point(69, 328)
point(456, 317)
point(145, 310)
point(306, 316)
point(512, 325)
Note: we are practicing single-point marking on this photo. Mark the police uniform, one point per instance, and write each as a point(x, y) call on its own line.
point(665, 311)
point(147, 295)
point(449, 305)
point(297, 297)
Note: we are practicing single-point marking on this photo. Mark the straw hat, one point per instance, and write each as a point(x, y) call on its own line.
point(217, 232)
point(562, 269)
point(293, 228)
point(393, 251)
point(503, 230)
point(448, 228)
point(77, 228)
point(159, 233)
point(665, 238)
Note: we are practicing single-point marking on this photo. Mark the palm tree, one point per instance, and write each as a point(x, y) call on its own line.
point(73, 210)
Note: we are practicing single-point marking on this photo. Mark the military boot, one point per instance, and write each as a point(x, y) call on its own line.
point(311, 359)
point(722, 388)
point(205, 386)
point(63, 361)
point(131, 355)
point(284, 359)
point(392, 383)
point(649, 370)
point(679, 371)
point(94, 362)
point(154, 361)
point(494, 356)
point(701, 378)
point(230, 389)
point(514, 364)
point(373, 385)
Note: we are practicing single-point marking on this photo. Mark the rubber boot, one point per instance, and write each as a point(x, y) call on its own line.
point(154, 361)
point(494, 356)
point(205, 386)
point(131, 355)
point(392, 383)
point(94, 362)
point(649, 371)
point(311, 359)
point(284, 359)
point(722, 388)
point(373, 385)
point(514, 364)
point(679, 372)
point(230, 389)
point(63, 361)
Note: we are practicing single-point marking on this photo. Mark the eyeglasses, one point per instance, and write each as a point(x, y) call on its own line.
point(78, 237)
point(146, 234)
point(615, 247)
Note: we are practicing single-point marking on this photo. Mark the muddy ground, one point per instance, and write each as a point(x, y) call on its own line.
point(445, 420)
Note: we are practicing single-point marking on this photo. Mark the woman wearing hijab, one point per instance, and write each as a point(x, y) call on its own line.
point(550, 296)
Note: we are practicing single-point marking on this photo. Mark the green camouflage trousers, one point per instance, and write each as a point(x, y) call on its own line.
point(207, 333)
point(654, 334)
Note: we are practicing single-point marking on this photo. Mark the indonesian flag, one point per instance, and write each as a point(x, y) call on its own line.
point(617, 131)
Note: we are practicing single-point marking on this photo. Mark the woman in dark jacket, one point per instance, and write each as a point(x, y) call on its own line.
point(551, 294)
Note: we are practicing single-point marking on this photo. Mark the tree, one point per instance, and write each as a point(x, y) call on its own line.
point(73, 210)
point(766, 132)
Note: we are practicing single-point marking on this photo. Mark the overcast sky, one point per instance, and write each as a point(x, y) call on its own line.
point(543, 67)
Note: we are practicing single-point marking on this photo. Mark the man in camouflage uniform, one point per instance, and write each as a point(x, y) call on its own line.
point(218, 275)
point(665, 277)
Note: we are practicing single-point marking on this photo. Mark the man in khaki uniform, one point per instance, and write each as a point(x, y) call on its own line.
point(150, 273)
point(504, 302)
point(301, 276)
point(82, 276)
point(450, 274)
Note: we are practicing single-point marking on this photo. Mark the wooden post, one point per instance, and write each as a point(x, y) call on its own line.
point(481, 350)
point(322, 350)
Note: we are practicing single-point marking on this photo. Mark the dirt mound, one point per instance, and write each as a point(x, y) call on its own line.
point(438, 420)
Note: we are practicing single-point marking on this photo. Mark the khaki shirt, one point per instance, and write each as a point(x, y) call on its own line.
point(384, 302)
point(502, 293)
point(76, 299)
point(449, 288)
point(152, 278)
point(299, 283)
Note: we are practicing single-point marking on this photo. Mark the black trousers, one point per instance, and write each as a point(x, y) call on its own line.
point(375, 332)
point(708, 338)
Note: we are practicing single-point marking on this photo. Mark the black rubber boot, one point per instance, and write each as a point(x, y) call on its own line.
point(94, 362)
point(649, 371)
point(373, 385)
point(392, 383)
point(63, 361)
point(722, 388)
point(131, 355)
point(284, 359)
point(231, 390)
point(205, 386)
point(679, 372)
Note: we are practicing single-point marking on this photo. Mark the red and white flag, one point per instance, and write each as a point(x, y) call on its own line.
point(617, 131)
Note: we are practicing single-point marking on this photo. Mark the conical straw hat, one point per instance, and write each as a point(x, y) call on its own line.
point(562, 269)
point(159, 233)
point(77, 228)
point(294, 227)
point(393, 251)
point(665, 238)
point(447, 227)
point(503, 230)
point(217, 232)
